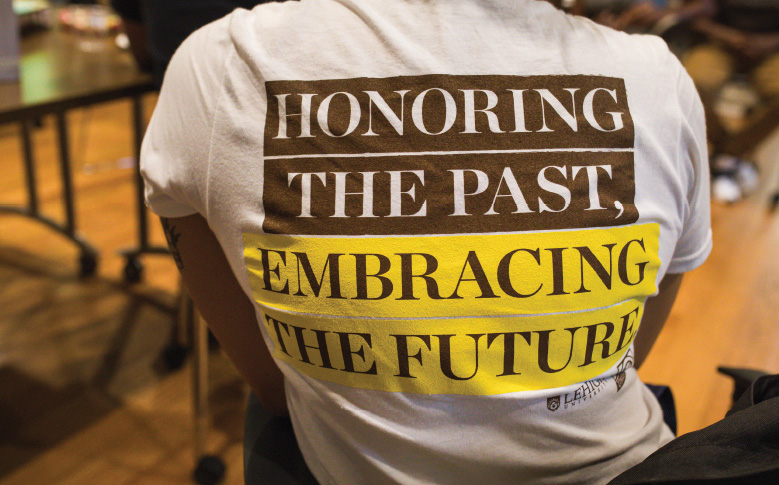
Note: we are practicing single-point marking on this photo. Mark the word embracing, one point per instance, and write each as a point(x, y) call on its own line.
point(509, 274)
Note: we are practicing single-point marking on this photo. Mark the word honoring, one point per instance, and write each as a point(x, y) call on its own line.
point(464, 112)
point(343, 105)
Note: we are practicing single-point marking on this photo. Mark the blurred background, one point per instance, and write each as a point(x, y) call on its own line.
point(98, 380)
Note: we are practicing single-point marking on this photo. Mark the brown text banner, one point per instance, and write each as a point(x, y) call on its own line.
point(445, 112)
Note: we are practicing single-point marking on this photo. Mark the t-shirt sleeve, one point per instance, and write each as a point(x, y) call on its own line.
point(695, 241)
point(176, 147)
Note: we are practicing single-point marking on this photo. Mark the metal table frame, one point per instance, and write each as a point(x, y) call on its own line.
point(133, 268)
point(16, 108)
point(25, 117)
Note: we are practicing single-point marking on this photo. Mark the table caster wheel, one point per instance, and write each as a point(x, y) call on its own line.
point(133, 270)
point(173, 356)
point(87, 265)
point(210, 470)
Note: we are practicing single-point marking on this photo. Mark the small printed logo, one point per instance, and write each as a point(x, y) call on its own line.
point(620, 380)
point(591, 389)
point(627, 363)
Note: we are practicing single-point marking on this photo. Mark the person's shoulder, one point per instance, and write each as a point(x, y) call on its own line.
point(276, 17)
point(195, 73)
point(638, 50)
point(203, 51)
point(211, 37)
point(265, 23)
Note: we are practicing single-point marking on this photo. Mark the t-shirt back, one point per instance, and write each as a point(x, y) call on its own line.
point(449, 217)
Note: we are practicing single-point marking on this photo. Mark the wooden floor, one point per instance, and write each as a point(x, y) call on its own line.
point(84, 399)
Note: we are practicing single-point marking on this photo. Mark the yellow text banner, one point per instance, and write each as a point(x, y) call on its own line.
point(447, 276)
point(477, 356)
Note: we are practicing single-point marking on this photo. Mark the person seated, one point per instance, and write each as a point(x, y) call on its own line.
point(441, 235)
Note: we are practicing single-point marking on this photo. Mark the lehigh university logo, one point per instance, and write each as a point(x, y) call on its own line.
point(553, 403)
point(620, 380)
point(627, 363)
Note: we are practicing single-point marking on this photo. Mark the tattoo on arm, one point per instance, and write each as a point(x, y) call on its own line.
point(173, 240)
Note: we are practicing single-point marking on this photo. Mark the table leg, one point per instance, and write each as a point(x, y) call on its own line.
point(138, 130)
point(29, 168)
point(88, 257)
point(133, 269)
point(200, 386)
point(209, 468)
point(67, 177)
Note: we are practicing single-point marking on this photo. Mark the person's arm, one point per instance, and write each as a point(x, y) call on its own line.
point(225, 307)
point(696, 9)
point(656, 311)
point(759, 46)
point(717, 32)
point(646, 15)
point(749, 45)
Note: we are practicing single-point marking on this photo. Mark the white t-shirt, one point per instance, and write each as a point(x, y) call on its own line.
point(449, 215)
